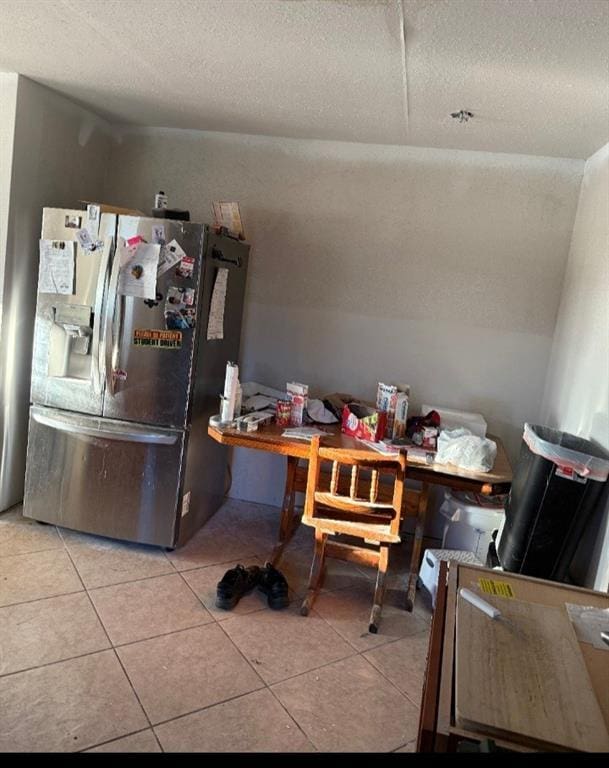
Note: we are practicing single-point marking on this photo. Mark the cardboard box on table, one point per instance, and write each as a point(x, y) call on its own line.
point(363, 422)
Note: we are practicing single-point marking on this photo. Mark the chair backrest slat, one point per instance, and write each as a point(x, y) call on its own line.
point(374, 486)
point(354, 481)
point(334, 478)
point(358, 460)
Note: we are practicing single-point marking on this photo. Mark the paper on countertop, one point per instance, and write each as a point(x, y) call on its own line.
point(380, 447)
point(302, 433)
point(56, 273)
point(250, 388)
point(588, 622)
point(215, 325)
point(259, 402)
point(138, 268)
point(170, 254)
point(318, 412)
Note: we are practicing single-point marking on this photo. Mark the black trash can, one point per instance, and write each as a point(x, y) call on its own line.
point(557, 483)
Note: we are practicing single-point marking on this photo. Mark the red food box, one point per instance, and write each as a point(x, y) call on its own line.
point(363, 422)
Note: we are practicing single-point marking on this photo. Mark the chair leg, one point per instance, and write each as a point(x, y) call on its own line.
point(379, 592)
point(317, 570)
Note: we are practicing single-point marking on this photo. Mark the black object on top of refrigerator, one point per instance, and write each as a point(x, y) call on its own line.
point(557, 483)
point(124, 379)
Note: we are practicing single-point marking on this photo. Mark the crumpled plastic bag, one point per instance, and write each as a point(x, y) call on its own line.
point(319, 413)
point(461, 448)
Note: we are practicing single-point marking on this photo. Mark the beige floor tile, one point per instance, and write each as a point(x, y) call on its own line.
point(403, 662)
point(410, 747)
point(102, 562)
point(258, 524)
point(422, 606)
point(67, 706)
point(144, 741)
point(348, 612)
point(204, 582)
point(296, 567)
point(217, 542)
point(37, 575)
point(141, 609)
point(349, 706)
point(44, 631)
point(179, 673)
point(284, 643)
point(20, 535)
point(252, 723)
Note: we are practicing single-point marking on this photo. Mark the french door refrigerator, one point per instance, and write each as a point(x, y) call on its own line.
point(123, 386)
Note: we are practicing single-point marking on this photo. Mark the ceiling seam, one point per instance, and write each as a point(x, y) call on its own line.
point(403, 68)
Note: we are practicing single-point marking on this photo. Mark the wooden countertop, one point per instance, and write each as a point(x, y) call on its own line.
point(269, 438)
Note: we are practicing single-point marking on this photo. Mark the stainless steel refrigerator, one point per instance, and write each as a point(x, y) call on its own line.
point(121, 392)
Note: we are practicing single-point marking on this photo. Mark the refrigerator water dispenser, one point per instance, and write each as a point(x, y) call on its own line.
point(70, 341)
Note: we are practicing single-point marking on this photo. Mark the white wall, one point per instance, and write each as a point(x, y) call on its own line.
point(438, 268)
point(576, 398)
point(59, 155)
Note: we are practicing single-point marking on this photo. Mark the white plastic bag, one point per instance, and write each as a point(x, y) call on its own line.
point(461, 448)
point(568, 460)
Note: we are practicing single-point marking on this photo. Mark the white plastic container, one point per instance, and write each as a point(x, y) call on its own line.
point(160, 200)
point(470, 522)
point(450, 419)
point(430, 567)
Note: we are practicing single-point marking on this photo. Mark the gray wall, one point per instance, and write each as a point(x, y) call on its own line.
point(59, 155)
point(438, 268)
point(576, 397)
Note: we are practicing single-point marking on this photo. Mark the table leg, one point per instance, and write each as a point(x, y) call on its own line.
point(415, 558)
point(288, 522)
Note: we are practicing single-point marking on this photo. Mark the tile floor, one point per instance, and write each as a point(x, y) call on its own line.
point(114, 647)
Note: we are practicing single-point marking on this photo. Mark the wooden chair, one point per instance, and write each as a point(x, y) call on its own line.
point(332, 513)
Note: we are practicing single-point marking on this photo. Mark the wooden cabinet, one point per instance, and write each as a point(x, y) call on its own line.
point(439, 730)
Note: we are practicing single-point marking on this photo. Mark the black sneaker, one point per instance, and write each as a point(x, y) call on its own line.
point(274, 585)
point(236, 583)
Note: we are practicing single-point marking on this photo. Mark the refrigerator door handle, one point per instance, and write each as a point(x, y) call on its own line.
point(98, 351)
point(217, 255)
point(108, 350)
point(133, 436)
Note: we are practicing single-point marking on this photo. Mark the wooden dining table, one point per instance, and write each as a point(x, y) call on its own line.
point(269, 438)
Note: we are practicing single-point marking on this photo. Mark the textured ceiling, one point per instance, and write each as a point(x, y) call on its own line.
point(533, 72)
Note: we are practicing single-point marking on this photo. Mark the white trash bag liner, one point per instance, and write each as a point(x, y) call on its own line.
point(567, 459)
point(461, 448)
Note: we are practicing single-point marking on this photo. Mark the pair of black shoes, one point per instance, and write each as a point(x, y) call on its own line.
point(240, 581)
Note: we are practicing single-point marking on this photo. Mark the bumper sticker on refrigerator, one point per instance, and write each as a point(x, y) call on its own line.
point(157, 339)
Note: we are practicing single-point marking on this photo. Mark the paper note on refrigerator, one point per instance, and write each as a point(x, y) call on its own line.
point(171, 254)
point(138, 266)
point(215, 325)
point(56, 273)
